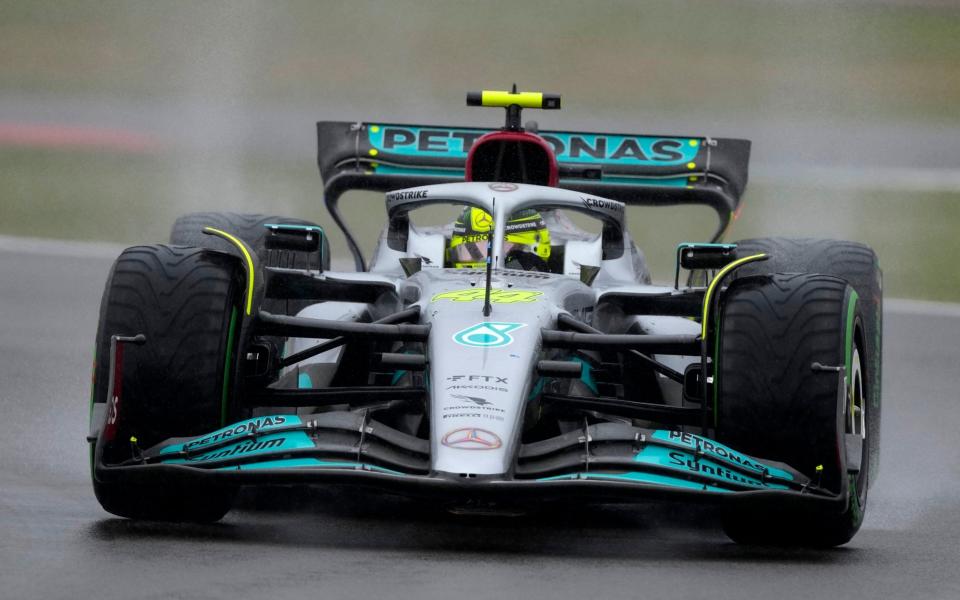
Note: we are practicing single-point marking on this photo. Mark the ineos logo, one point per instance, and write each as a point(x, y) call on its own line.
point(474, 399)
point(503, 187)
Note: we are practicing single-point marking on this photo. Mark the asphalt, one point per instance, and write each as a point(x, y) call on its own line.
point(56, 541)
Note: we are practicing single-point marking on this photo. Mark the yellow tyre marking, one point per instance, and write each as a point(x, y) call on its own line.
point(522, 99)
point(246, 255)
point(716, 280)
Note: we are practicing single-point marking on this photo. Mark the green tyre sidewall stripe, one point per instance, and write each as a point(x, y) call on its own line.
point(716, 369)
point(850, 326)
point(228, 367)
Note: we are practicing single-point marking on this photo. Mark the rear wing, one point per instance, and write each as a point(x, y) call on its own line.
point(636, 169)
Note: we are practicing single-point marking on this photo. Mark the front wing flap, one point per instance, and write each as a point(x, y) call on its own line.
point(606, 461)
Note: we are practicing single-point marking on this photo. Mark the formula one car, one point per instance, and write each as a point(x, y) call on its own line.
point(503, 347)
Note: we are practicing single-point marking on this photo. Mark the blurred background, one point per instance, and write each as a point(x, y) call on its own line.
point(116, 116)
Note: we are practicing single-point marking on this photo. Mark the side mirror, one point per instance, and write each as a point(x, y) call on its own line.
point(588, 273)
point(693, 256)
point(411, 265)
point(303, 238)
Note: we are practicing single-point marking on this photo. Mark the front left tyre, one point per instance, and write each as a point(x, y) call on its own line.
point(187, 303)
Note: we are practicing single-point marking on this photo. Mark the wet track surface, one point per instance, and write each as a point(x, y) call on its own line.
point(56, 542)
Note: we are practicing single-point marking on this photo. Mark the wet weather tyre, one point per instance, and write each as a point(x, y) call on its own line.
point(858, 265)
point(186, 302)
point(774, 402)
point(188, 231)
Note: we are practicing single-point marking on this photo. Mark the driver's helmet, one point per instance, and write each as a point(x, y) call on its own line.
point(525, 234)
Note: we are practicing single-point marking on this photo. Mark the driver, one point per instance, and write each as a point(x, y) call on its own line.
point(526, 245)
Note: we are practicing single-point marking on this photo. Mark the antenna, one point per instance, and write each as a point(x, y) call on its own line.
point(513, 101)
point(487, 307)
point(513, 114)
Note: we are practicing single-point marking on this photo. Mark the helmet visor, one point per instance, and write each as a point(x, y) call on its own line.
point(476, 252)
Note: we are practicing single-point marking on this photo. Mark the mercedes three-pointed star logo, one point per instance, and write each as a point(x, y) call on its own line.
point(471, 438)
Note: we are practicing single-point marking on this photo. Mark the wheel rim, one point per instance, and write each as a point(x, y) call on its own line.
point(856, 423)
point(857, 409)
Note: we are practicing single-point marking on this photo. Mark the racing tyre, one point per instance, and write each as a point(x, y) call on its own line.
point(782, 339)
point(853, 262)
point(186, 302)
point(188, 231)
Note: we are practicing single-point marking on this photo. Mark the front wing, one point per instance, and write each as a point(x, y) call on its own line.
point(602, 462)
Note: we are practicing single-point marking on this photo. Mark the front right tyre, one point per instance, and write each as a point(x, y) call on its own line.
point(791, 381)
point(855, 263)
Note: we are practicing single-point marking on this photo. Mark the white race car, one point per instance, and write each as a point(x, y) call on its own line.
point(503, 346)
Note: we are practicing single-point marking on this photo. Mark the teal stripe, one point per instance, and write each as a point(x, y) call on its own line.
point(392, 170)
point(277, 443)
point(650, 478)
point(261, 424)
point(304, 382)
point(719, 451)
point(294, 463)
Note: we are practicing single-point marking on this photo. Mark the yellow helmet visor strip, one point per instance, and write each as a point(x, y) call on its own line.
point(535, 238)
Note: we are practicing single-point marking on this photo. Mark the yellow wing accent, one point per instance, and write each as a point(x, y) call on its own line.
point(246, 255)
point(716, 280)
point(522, 99)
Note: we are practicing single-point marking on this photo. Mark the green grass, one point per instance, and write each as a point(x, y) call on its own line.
point(128, 198)
point(613, 56)
point(612, 59)
point(914, 234)
point(132, 199)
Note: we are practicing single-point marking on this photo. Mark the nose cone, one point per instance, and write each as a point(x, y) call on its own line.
point(480, 379)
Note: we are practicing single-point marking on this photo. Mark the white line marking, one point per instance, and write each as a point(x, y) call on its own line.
point(59, 248)
point(916, 179)
point(95, 250)
point(903, 306)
